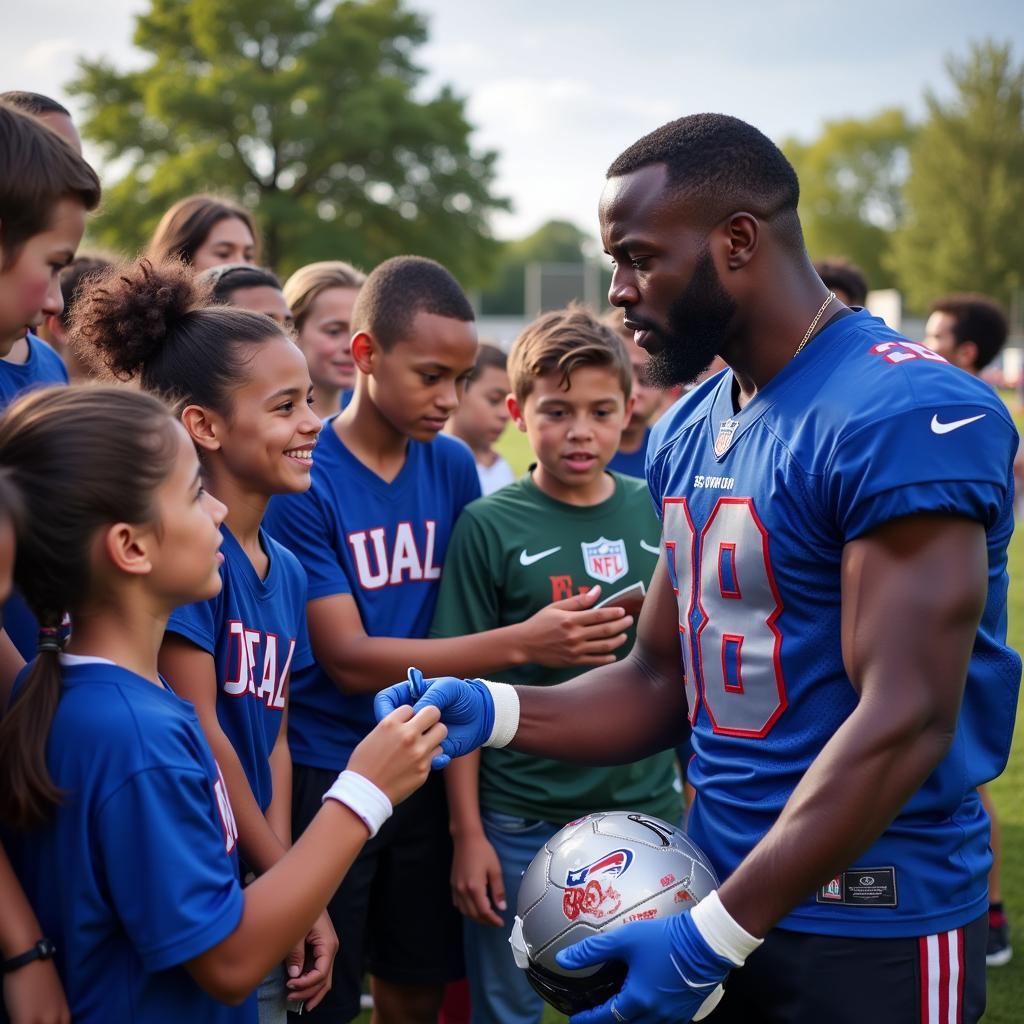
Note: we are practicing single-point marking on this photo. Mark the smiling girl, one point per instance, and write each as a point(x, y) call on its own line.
point(130, 858)
point(242, 389)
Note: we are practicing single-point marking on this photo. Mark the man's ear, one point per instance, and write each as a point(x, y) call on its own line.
point(203, 427)
point(126, 546)
point(515, 412)
point(364, 351)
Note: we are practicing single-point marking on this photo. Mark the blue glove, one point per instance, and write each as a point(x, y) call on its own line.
point(672, 972)
point(466, 707)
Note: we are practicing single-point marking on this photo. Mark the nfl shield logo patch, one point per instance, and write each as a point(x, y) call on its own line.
point(725, 434)
point(605, 559)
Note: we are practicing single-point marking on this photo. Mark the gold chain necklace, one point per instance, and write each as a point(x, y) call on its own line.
point(813, 324)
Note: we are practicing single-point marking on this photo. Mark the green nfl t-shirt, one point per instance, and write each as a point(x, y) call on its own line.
point(512, 553)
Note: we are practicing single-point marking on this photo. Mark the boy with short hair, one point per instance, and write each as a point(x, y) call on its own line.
point(45, 190)
point(481, 417)
point(566, 526)
point(372, 533)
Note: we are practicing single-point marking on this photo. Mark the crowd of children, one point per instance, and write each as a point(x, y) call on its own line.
point(224, 539)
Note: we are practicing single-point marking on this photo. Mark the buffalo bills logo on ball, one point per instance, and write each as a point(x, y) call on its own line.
point(590, 891)
point(605, 559)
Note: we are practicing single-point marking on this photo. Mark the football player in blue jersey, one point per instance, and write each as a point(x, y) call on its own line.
point(244, 393)
point(836, 509)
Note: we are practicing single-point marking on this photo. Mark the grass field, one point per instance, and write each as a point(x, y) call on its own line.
point(1005, 984)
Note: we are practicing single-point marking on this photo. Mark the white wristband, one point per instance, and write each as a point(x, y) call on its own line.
point(364, 799)
point(721, 932)
point(506, 713)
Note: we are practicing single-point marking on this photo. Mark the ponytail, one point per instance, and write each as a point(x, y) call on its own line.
point(28, 794)
point(80, 459)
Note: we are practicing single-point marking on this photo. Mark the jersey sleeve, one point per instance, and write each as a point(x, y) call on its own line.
point(163, 849)
point(467, 601)
point(953, 460)
point(304, 526)
point(198, 623)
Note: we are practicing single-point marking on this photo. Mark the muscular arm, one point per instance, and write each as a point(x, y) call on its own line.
point(191, 673)
point(913, 592)
point(617, 713)
point(560, 634)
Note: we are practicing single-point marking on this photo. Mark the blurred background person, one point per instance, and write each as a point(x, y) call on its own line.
point(845, 279)
point(205, 231)
point(481, 417)
point(74, 280)
point(321, 297)
point(247, 287)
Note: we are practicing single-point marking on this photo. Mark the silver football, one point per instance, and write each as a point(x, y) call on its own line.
point(600, 872)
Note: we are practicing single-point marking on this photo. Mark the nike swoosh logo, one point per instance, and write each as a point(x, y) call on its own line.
point(647, 547)
point(939, 427)
point(525, 559)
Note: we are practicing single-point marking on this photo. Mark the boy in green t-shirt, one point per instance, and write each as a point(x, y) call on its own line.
point(566, 526)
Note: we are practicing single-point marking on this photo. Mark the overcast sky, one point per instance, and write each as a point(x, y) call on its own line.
point(559, 87)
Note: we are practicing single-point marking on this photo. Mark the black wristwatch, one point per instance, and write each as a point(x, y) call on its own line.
point(42, 950)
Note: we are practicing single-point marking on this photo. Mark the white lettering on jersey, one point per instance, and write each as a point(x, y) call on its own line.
point(717, 483)
point(227, 815)
point(241, 676)
point(900, 351)
point(367, 579)
point(402, 563)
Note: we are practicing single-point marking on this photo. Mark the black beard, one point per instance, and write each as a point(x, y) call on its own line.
point(697, 327)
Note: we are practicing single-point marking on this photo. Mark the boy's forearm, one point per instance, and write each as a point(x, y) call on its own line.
point(19, 928)
point(367, 664)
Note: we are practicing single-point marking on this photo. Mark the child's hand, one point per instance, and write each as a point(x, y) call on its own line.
point(572, 632)
point(396, 756)
point(33, 995)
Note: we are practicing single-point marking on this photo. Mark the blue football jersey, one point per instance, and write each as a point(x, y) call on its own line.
point(137, 871)
point(42, 368)
point(632, 463)
point(256, 632)
point(383, 543)
point(861, 428)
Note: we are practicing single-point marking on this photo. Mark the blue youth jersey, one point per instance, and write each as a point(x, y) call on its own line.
point(861, 428)
point(137, 871)
point(383, 543)
point(255, 630)
point(42, 367)
point(632, 463)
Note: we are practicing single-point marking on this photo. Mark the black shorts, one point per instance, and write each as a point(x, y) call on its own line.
point(393, 911)
point(798, 978)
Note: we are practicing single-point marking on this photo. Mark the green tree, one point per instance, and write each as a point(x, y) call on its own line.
point(965, 192)
point(312, 113)
point(851, 181)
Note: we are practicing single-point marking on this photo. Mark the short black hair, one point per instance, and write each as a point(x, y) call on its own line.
point(227, 278)
point(976, 318)
point(400, 288)
point(846, 276)
point(725, 165)
point(34, 103)
point(488, 357)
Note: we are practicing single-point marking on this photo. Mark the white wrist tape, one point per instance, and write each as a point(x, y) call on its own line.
point(362, 798)
point(725, 936)
point(506, 713)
